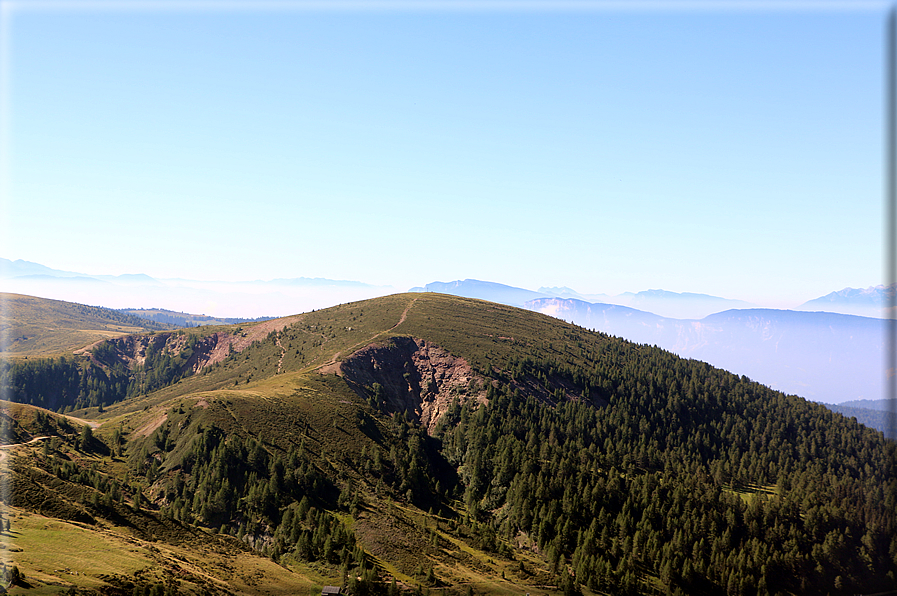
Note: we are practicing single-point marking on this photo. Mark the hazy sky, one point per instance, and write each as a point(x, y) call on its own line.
point(733, 152)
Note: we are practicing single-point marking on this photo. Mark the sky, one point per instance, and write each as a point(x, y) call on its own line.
point(724, 150)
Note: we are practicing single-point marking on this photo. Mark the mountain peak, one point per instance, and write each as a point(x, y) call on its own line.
point(867, 302)
point(560, 291)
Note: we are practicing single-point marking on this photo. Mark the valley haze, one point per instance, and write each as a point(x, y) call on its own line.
point(285, 296)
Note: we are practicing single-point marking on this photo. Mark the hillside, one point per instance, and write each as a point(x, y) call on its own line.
point(430, 442)
point(32, 326)
point(818, 355)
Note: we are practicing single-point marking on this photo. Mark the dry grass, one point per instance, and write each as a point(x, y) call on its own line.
point(54, 555)
point(39, 327)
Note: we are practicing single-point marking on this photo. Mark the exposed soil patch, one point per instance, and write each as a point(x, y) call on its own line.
point(395, 539)
point(82, 421)
point(404, 314)
point(154, 423)
point(223, 342)
point(417, 376)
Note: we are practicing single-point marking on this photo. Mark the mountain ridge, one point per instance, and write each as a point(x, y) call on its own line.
point(872, 301)
point(862, 302)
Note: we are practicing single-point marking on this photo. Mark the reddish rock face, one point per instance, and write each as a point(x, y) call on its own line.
point(417, 376)
point(208, 350)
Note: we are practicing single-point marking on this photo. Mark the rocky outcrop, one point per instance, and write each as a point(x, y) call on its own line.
point(131, 350)
point(416, 376)
point(204, 351)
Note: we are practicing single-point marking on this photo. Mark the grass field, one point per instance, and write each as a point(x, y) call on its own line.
point(39, 327)
point(54, 555)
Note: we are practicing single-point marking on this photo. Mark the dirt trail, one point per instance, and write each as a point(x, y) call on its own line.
point(283, 352)
point(3, 448)
point(331, 366)
point(82, 422)
point(404, 314)
point(151, 425)
point(34, 440)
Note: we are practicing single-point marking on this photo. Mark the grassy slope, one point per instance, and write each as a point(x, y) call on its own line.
point(41, 327)
point(54, 554)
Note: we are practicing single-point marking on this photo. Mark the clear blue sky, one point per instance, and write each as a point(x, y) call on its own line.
point(737, 153)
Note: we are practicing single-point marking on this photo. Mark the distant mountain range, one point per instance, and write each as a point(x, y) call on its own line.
point(881, 405)
point(867, 302)
point(880, 414)
point(217, 299)
point(20, 269)
point(664, 303)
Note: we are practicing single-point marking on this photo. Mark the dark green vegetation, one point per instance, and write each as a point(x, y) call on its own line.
point(551, 460)
point(95, 379)
point(62, 384)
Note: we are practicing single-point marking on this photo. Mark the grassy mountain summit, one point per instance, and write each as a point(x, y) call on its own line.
point(431, 442)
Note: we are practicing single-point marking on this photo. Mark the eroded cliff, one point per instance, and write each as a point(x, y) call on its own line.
point(415, 376)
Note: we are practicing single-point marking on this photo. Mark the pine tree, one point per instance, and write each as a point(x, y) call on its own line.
point(86, 438)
